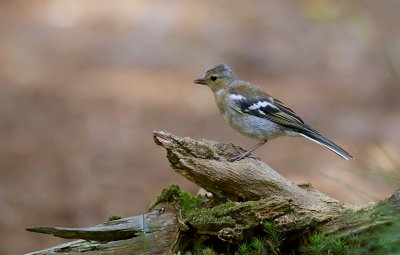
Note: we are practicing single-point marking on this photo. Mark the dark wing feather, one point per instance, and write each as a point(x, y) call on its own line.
point(287, 110)
point(269, 108)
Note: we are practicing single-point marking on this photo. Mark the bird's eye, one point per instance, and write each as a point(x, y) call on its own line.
point(213, 77)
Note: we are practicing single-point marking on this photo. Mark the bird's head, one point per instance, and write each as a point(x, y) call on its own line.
point(218, 77)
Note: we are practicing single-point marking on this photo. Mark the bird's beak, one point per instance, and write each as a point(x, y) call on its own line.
point(201, 80)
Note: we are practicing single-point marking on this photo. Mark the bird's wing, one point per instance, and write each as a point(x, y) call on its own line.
point(267, 107)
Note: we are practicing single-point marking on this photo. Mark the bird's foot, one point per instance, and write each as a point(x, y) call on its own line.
point(245, 154)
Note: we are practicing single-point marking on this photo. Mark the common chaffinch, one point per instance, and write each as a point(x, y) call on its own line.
point(253, 112)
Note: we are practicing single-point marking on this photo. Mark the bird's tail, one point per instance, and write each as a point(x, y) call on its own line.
point(314, 136)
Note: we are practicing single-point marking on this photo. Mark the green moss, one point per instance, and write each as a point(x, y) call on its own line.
point(191, 210)
point(202, 217)
point(243, 248)
point(208, 251)
point(209, 153)
point(382, 237)
point(258, 244)
point(228, 214)
point(114, 217)
point(383, 234)
point(274, 238)
point(174, 194)
point(209, 216)
point(320, 245)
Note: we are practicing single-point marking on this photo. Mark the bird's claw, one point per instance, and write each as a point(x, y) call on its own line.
point(242, 155)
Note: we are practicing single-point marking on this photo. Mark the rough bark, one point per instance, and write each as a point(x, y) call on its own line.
point(245, 194)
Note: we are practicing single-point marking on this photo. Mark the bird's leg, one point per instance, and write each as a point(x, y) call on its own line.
point(248, 152)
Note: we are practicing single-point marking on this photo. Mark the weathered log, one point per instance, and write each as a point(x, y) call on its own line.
point(245, 195)
point(206, 163)
point(155, 232)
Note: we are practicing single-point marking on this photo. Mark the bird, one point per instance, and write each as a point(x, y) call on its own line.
point(251, 111)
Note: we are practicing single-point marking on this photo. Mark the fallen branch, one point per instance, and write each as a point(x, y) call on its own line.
point(246, 194)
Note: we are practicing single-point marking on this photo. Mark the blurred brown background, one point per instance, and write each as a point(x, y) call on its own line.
point(84, 84)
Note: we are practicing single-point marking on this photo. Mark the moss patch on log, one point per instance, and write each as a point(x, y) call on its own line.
point(266, 225)
point(181, 199)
